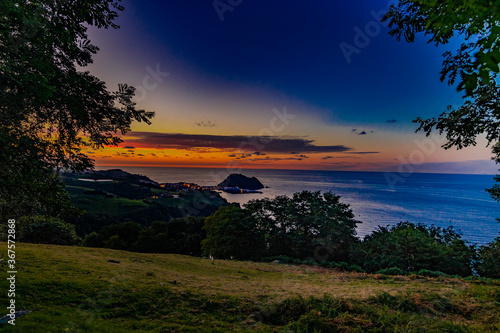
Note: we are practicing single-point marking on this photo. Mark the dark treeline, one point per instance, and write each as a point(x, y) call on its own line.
point(307, 228)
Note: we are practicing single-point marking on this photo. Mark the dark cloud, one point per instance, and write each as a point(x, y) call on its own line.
point(267, 144)
point(362, 132)
point(391, 121)
point(205, 124)
point(267, 158)
point(362, 152)
point(327, 157)
point(128, 147)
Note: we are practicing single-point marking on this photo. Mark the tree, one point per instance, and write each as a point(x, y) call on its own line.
point(474, 66)
point(488, 263)
point(412, 247)
point(181, 235)
point(49, 109)
point(232, 234)
point(115, 236)
point(306, 225)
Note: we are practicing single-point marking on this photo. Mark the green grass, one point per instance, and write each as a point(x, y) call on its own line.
point(74, 289)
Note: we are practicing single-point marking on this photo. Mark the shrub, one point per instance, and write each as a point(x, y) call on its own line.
point(426, 272)
point(488, 263)
point(391, 271)
point(46, 230)
point(92, 240)
point(283, 259)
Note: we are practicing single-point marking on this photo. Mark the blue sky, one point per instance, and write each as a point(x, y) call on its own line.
point(271, 54)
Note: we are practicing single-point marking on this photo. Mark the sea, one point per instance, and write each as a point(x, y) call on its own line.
point(376, 198)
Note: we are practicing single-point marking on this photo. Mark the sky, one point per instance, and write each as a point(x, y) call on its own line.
point(277, 84)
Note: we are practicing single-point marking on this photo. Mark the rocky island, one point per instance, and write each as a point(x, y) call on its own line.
point(238, 183)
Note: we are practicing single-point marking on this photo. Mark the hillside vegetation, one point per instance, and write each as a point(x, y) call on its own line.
point(75, 289)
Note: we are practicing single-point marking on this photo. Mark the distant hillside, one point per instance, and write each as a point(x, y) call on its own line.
point(119, 196)
point(241, 181)
point(76, 289)
point(117, 174)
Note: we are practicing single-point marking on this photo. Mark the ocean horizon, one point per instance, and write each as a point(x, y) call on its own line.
point(376, 198)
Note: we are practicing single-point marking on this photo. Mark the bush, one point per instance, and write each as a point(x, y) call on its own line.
point(391, 271)
point(283, 259)
point(46, 230)
point(92, 240)
point(426, 272)
point(488, 263)
point(342, 266)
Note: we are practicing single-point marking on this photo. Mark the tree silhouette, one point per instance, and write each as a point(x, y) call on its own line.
point(49, 109)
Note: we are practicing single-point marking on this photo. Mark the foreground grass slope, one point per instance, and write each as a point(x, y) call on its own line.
point(74, 289)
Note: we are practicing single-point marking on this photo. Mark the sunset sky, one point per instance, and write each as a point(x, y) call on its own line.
point(277, 84)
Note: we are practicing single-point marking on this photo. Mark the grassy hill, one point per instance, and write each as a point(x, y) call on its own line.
point(75, 289)
point(126, 199)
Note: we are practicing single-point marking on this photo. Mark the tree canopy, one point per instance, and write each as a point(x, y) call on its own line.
point(308, 225)
point(474, 67)
point(49, 108)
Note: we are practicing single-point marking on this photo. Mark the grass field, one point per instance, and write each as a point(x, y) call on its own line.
point(75, 289)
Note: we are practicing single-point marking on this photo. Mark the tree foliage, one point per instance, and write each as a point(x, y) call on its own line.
point(181, 235)
point(474, 66)
point(306, 225)
point(412, 247)
point(488, 263)
point(232, 234)
point(49, 109)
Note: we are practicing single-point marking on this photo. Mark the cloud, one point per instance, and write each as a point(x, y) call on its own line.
point(354, 130)
point(128, 147)
point(391, 121)
point(267, 158)
point(327, 157)
point(205, 124)
point(263, 144)
point(362, 152)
